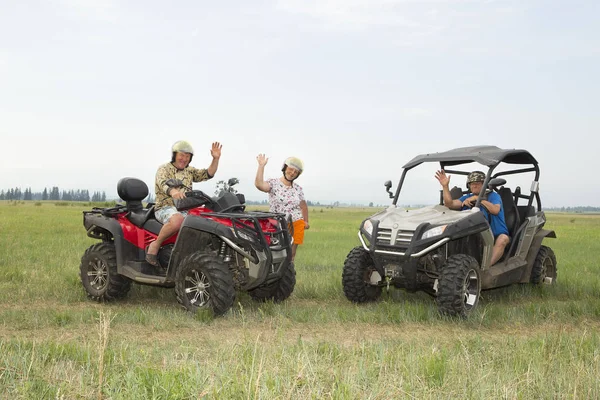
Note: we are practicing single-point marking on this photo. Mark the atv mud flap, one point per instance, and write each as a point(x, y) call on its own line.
point(270, 268)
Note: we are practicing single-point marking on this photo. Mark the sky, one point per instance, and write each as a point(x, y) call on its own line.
point(93, 91)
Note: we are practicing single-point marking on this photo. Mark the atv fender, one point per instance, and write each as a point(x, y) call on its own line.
point(195, 235)
point(96, 224)
point(533, 250)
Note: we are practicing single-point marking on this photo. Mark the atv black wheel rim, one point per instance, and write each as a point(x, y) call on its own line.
point(470, 289)
point(97, 274)
point(196, 288)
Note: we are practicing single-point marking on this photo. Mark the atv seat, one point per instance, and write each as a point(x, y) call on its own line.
point(456, 193)
point(133, 191)
point(511, 213)
point(526, 212)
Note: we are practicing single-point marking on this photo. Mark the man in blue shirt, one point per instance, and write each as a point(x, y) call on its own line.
point(491, 207)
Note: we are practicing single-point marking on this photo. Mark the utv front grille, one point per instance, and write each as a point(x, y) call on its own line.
point(389, 237)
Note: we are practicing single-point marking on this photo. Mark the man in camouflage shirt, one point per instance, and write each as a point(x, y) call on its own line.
point(178, 168)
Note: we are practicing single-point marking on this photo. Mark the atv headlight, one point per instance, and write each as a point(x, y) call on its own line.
point(368, 227)
point(438, 230)
point(243, 235)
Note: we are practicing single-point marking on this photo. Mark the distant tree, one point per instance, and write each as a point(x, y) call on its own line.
point(97, 196)
point(54, 193)
point(45, 194)
point(82, 195)
point(371, 204)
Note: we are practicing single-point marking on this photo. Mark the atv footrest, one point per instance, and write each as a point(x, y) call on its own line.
point(142, 272)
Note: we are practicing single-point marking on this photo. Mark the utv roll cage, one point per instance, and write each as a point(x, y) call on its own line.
point(489, 156)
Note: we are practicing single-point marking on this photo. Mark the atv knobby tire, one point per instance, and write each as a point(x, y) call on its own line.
point(544, 267)
point(99, 276)
point(356, 277)
point(459, 286)
point(277, 291)
point(203, 281)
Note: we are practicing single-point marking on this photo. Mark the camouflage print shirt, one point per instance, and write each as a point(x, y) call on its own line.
point(168, 171)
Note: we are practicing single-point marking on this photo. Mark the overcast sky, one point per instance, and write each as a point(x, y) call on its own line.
point(93, 91)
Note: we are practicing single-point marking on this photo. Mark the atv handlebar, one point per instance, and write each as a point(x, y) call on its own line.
point(194, 198)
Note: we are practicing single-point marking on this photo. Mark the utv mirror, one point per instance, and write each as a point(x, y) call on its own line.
point(233, 181)
point(494, 183)
point(388, 186)
point(174, 183)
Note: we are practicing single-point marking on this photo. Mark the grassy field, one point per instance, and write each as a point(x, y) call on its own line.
point(523, 342)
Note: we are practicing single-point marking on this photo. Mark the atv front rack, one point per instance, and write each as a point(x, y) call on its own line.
point(246, 226)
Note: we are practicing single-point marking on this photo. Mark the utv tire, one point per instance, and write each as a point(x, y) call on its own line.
point(544, 267)
point(277, 291)
point(459, 286)
point(356, 277)
point(204, 282)
point(99, 276)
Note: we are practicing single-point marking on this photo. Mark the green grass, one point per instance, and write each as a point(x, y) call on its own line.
point(522, 342)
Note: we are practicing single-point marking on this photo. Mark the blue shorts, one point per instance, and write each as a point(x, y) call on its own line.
point(164, 214)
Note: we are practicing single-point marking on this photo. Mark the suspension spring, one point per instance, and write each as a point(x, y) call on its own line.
point(225, 252)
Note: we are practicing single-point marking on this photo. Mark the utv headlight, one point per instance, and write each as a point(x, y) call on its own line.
point(438, 230)
point(368, 227)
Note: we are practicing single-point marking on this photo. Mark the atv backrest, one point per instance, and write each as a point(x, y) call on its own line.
point(526, 212)
point(511, 213)
point(132, 191)
point(455, 193)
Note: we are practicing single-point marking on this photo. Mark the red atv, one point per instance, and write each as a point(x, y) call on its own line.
point(219, 249)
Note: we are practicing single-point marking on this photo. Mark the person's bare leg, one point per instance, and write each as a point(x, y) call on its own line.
point(171, 227)
point(499, 246)
point(294, 247)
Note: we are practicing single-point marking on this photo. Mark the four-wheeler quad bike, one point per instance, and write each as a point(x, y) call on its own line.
point(219, 249)
point(447, 253)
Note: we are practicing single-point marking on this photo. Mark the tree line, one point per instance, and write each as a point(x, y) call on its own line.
point(53, 194)
point(576, 209)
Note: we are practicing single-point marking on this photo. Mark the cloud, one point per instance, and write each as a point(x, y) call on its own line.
point(406, 23)
point(352, 14)
point(100, 10)
point(415, 112)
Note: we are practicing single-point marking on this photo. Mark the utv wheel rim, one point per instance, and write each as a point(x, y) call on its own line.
point(97, 274)
point(372, 277)
point(546, 274)
point(196, 288)
point(471, 289)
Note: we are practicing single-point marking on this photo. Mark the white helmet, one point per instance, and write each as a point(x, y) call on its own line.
point(293, 162)
point(181, 146)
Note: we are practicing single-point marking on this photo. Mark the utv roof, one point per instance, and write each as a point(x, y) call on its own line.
point(485, 155)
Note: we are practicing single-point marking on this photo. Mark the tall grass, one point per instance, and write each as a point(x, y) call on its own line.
point(522, 342)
